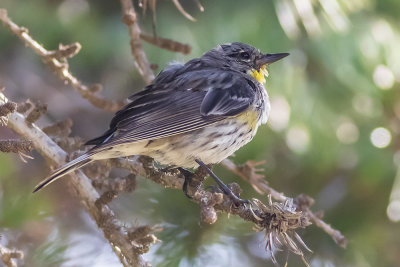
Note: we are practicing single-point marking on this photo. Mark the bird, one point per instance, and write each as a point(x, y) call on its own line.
point(193, 114)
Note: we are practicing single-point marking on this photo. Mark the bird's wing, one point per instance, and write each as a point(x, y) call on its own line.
point(160, 113)
point(229, 98)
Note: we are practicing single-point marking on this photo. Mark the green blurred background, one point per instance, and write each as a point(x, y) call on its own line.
point(333, 131)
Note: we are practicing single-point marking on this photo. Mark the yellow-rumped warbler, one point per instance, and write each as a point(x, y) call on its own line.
point(192, 114)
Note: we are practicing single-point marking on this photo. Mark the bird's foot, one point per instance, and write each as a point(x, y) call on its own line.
point(235, 198)
point(188, 179)
point(223, 187)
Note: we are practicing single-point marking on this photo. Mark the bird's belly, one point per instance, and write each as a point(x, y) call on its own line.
point(211, 144)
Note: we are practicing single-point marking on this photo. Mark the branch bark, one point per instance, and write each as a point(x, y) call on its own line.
point(166, 44)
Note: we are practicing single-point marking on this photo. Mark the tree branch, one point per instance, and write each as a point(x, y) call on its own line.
point(183, 11)
point(57, 61)
point(81, 186)
point(129, 17)
point(249, 173)
point(166, 44)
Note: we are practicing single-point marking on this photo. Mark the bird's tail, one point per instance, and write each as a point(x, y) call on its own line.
point(67, 168)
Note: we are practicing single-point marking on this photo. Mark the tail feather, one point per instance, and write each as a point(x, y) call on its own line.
point(67, 168)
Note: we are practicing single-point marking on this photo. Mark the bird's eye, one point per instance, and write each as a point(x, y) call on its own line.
point(245, 55)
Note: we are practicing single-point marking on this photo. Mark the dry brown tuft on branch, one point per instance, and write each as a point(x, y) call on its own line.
point(8, 256)
point(21, 147)
point(6, 109)
point(249, 172)
point(16, 146)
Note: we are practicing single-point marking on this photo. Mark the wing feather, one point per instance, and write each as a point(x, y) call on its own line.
point(229, 101)
point(161, 113)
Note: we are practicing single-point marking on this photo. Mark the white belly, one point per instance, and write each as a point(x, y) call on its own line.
point(211, 144)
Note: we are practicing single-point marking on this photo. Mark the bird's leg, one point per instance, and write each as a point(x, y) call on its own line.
point(225, 189)
point(192, 180)
point(188, 177)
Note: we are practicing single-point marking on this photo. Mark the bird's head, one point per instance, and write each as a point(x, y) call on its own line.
point(246, 58)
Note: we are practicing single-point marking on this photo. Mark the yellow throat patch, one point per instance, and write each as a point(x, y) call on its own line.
point(260, 75)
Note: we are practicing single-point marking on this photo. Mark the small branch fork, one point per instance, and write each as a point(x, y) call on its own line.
point(57, 61)
point(130, 19)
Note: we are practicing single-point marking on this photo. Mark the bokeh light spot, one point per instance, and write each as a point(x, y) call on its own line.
point(347, 133)
point(383, 77)
point(280, 114)
point(382, 31)
point(393, 211)
point(298, 139)
point(380, 137)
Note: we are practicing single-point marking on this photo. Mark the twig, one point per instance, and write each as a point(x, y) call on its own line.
point(38, 110)
point(335, 234)
point(7, 255)
point(183, 11)
point(16, 146)
point(278, 220)
point(82, 188)
point(199, 5)
point(129, 17)
point(60, 129)
point(143, 166)
point(248, 173)
point(24, 106)
point(66, 51)
point(21, 147)
point(6, 109)
point(167, 44)
point(57, 61)
point(118, 184)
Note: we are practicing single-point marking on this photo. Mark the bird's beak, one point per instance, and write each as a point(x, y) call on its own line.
point(267, 59)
